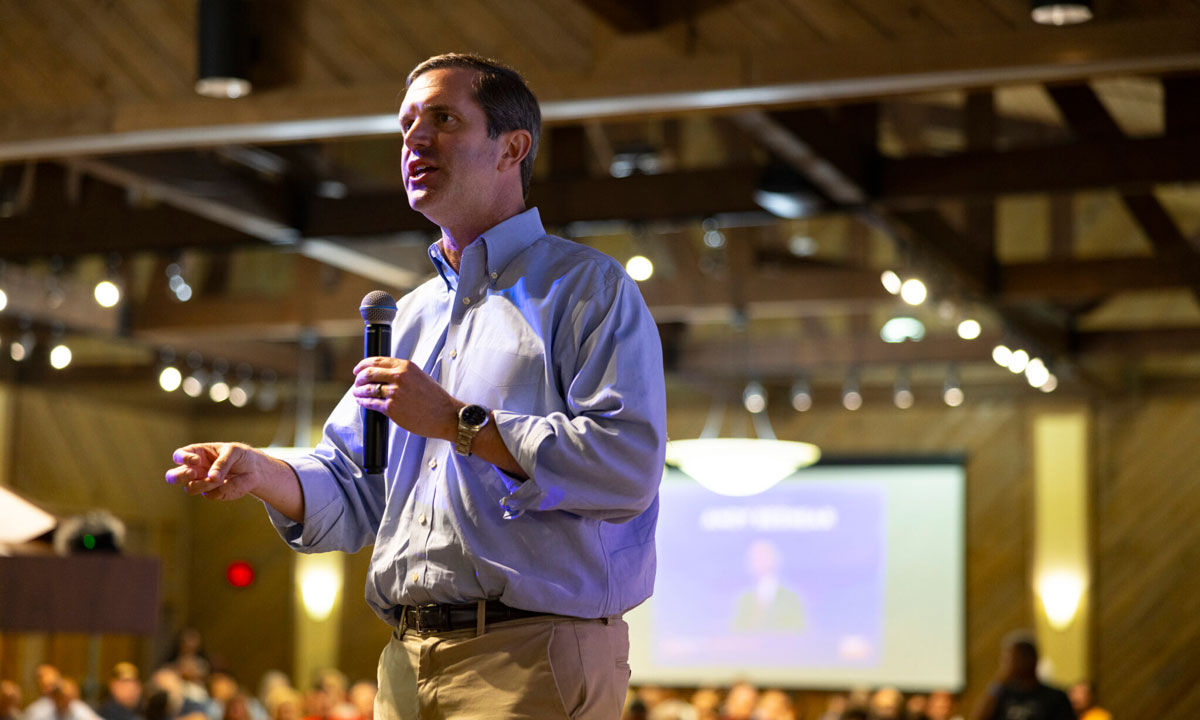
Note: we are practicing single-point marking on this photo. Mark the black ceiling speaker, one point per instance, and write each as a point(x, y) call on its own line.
point(223, 45)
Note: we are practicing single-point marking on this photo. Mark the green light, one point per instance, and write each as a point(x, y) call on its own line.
point(89, 541)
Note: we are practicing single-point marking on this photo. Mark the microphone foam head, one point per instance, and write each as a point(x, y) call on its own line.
point(378, 308)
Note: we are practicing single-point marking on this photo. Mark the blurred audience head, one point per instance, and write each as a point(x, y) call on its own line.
point(1019, 657)
point(10, 699)
point(222, 687)
point(774, 705)
point(284, 703)
point(125, 684)
point(46, 676)
point(673, 709)
point(63, 694)
point(886, 704)
point(915, 707)
point(741, 701)
point(707, 702)
point(940, 705)
point(362, 696)
point(236, 708)
point(1081, 696)
point(270, 682)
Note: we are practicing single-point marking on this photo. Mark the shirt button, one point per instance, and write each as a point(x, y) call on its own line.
point(453, 354)
point(416, 577)
point(421, 519)
point(495, 275)
point(466, 301)
point(433, 464)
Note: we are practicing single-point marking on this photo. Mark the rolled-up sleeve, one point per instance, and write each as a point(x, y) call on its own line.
point(342, 506)
point(603, 456)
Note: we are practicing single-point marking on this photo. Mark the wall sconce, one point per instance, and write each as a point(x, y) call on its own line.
point(1060, 592)
point(320, 578)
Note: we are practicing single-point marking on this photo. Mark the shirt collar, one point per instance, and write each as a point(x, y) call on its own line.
point(443, 267)
point(509, 238)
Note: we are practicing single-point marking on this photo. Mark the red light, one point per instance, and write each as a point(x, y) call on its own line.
point(239, 574)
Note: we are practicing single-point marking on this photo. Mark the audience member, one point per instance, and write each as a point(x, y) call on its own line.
point(740, 702)
point(173, 705)
point(941, 706)
point(916, 706)
point(774, 705)
point(64, 704)
point(1017, 692)
point(124, 694)
point(835, 707)
point(285, 704)
point(886, 704)
point(271, 681)
point(10, 700)
point(1084, 702)
point(362, 697)
point(707, 703)
point(236, 708)
point(673, 709)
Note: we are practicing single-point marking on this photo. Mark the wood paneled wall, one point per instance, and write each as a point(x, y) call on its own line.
point(1147, 579)
point(71, 453)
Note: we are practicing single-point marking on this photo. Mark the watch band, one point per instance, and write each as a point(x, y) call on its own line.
point(471, 419)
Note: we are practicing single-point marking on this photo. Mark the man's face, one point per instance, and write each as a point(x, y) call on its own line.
point(450, 164)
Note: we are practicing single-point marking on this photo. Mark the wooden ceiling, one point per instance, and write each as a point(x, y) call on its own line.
point(1043, 180)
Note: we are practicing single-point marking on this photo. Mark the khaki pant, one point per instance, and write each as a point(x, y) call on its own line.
point(551, 667)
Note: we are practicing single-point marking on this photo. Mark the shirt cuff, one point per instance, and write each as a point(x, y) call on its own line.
point(523, 435)
point(317, 487)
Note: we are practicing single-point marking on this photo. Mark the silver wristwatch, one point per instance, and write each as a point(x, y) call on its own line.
point(471, 419)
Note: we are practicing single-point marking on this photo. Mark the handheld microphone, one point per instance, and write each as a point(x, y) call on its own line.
point(378, 310)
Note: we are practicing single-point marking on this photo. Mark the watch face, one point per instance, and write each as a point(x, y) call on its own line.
point(474, 415)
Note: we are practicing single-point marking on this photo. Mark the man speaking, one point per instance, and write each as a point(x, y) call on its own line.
point(514, 522)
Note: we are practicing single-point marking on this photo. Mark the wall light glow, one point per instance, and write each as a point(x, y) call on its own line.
point(1060, 592)
point(319, 588)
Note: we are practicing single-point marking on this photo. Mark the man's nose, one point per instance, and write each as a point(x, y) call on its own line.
point(417, 134)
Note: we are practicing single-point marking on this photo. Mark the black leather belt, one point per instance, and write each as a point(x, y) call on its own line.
point(444, 618)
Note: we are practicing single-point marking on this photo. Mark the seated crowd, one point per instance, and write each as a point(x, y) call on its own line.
point(186, 688)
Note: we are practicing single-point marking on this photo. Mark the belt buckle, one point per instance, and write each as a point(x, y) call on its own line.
point(428, 617)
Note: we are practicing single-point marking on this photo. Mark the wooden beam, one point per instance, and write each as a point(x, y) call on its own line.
point(1088, 118)
point(102, 219)
point(685, 194)
point(1124, 164)
point(1181, 104)
point(617, 85)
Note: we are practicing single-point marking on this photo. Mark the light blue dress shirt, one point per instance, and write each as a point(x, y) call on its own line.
point(554, 338)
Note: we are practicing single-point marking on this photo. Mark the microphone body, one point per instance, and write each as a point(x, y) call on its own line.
point(378, 310)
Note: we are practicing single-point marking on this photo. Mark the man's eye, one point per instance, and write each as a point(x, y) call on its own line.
point(444, 117)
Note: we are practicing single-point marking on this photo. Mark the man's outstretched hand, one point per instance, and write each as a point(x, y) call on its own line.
point(228, 471)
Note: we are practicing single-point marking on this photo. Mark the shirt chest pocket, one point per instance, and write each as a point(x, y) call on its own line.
point(501, 352)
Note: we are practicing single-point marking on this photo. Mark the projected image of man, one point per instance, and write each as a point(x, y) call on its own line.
point(769, 604)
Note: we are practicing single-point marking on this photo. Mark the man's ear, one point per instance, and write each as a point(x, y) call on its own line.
point(516, 146)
